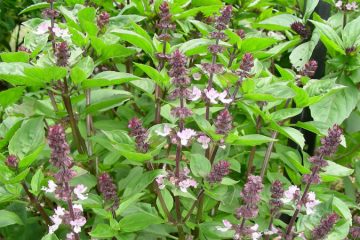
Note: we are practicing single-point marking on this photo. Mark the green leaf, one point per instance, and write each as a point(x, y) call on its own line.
point(291, 133)
point(253, 44)
point(137, 40)
point(44, 75)
point(283, 114)
point(102, 231)
point(302, 53)
point(351, 33)
point(168, 199)
point(11, 96)
point(28, 138)
point(249, 140)
point(35, 6)
point(200, 166)
point(109, 78)
point(329, 37)
point(82, 70)
point(18, 178)
point(142, 182)
point(206, 10)
point(9, 218)
point(36, 181)
point(335, 170)
point(153, 74)
point(86, 18)
point(15, 57)
point(310, 7)
point(138, 221)
point(105, 99)
point(195, 46)
point(124, 204)
point(29, 159)
point(278, 22)
point(335, 108)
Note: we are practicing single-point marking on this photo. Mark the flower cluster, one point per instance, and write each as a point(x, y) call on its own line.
point(293, 195)
point(247, 63)
point(12, 161)
point(184, 181)
point(223, 122)
point(108, 190)
point(61, 159)
point(165, 24)
point(330, 143)
point(103, 19)
point(309, 69)
point(219, 171)
point(251, 197)
point(45, 27)
point(140, 134)
point(355, 229)
point(62, 54)
point(346, 6)
point(277, 193)
point(300, 29)
point(240, 230)
point(325, 226)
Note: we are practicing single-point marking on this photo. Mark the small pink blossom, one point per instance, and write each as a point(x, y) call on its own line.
point(222, 97)
point(195, 94)
point(185, 184)
point(79, 191)
point(212, 95)
point(204, 141)
point(339, 4)
point(255, 235)
point(59, 211)
point(56, 219)
point(165, 132)
point(351, 6)
point(50, 188)
point(160, 180)
point(43, 28)
point(78, 206)
point(185, 135)
point(311, 203)
point(77, 224)
point(227, 226)
point(70, 236)
point(290, 194)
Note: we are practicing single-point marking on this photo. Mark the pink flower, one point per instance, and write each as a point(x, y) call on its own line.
point(43, 28)
point(255, 235)
point(79, 191)
point(78, 206)
point(59, 211)
point(185, 184)
point(166, 131)
point(227, 226)
point(211, 94)
point(351, 6)
point(50, 188)
point(290, 194)
point(339, 4)
point(222, 97)
point(77, 224)
point(185, 135)
point(70, 236)
point(56, 219)
point(311, 203)
point(195, 94)
point(160, 180)
point(204, 141)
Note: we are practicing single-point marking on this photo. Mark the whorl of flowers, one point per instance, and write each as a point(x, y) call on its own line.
point(325, 226)
point(140, 134)
point(223, 122)
point(108, 190)
point(300, 29)
point(223, 20)
point(12, 161)
point(309, 69)
point(62, 54)
point(183, 181)
point(277, 193)
point(60, 158)
point(60, 149)
point(165, 24)
point(50, 13)
point(219, 171)
point(251, 197)
point(247, 63)
point(346, 6)
point(330, 144)
point(103, 19)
